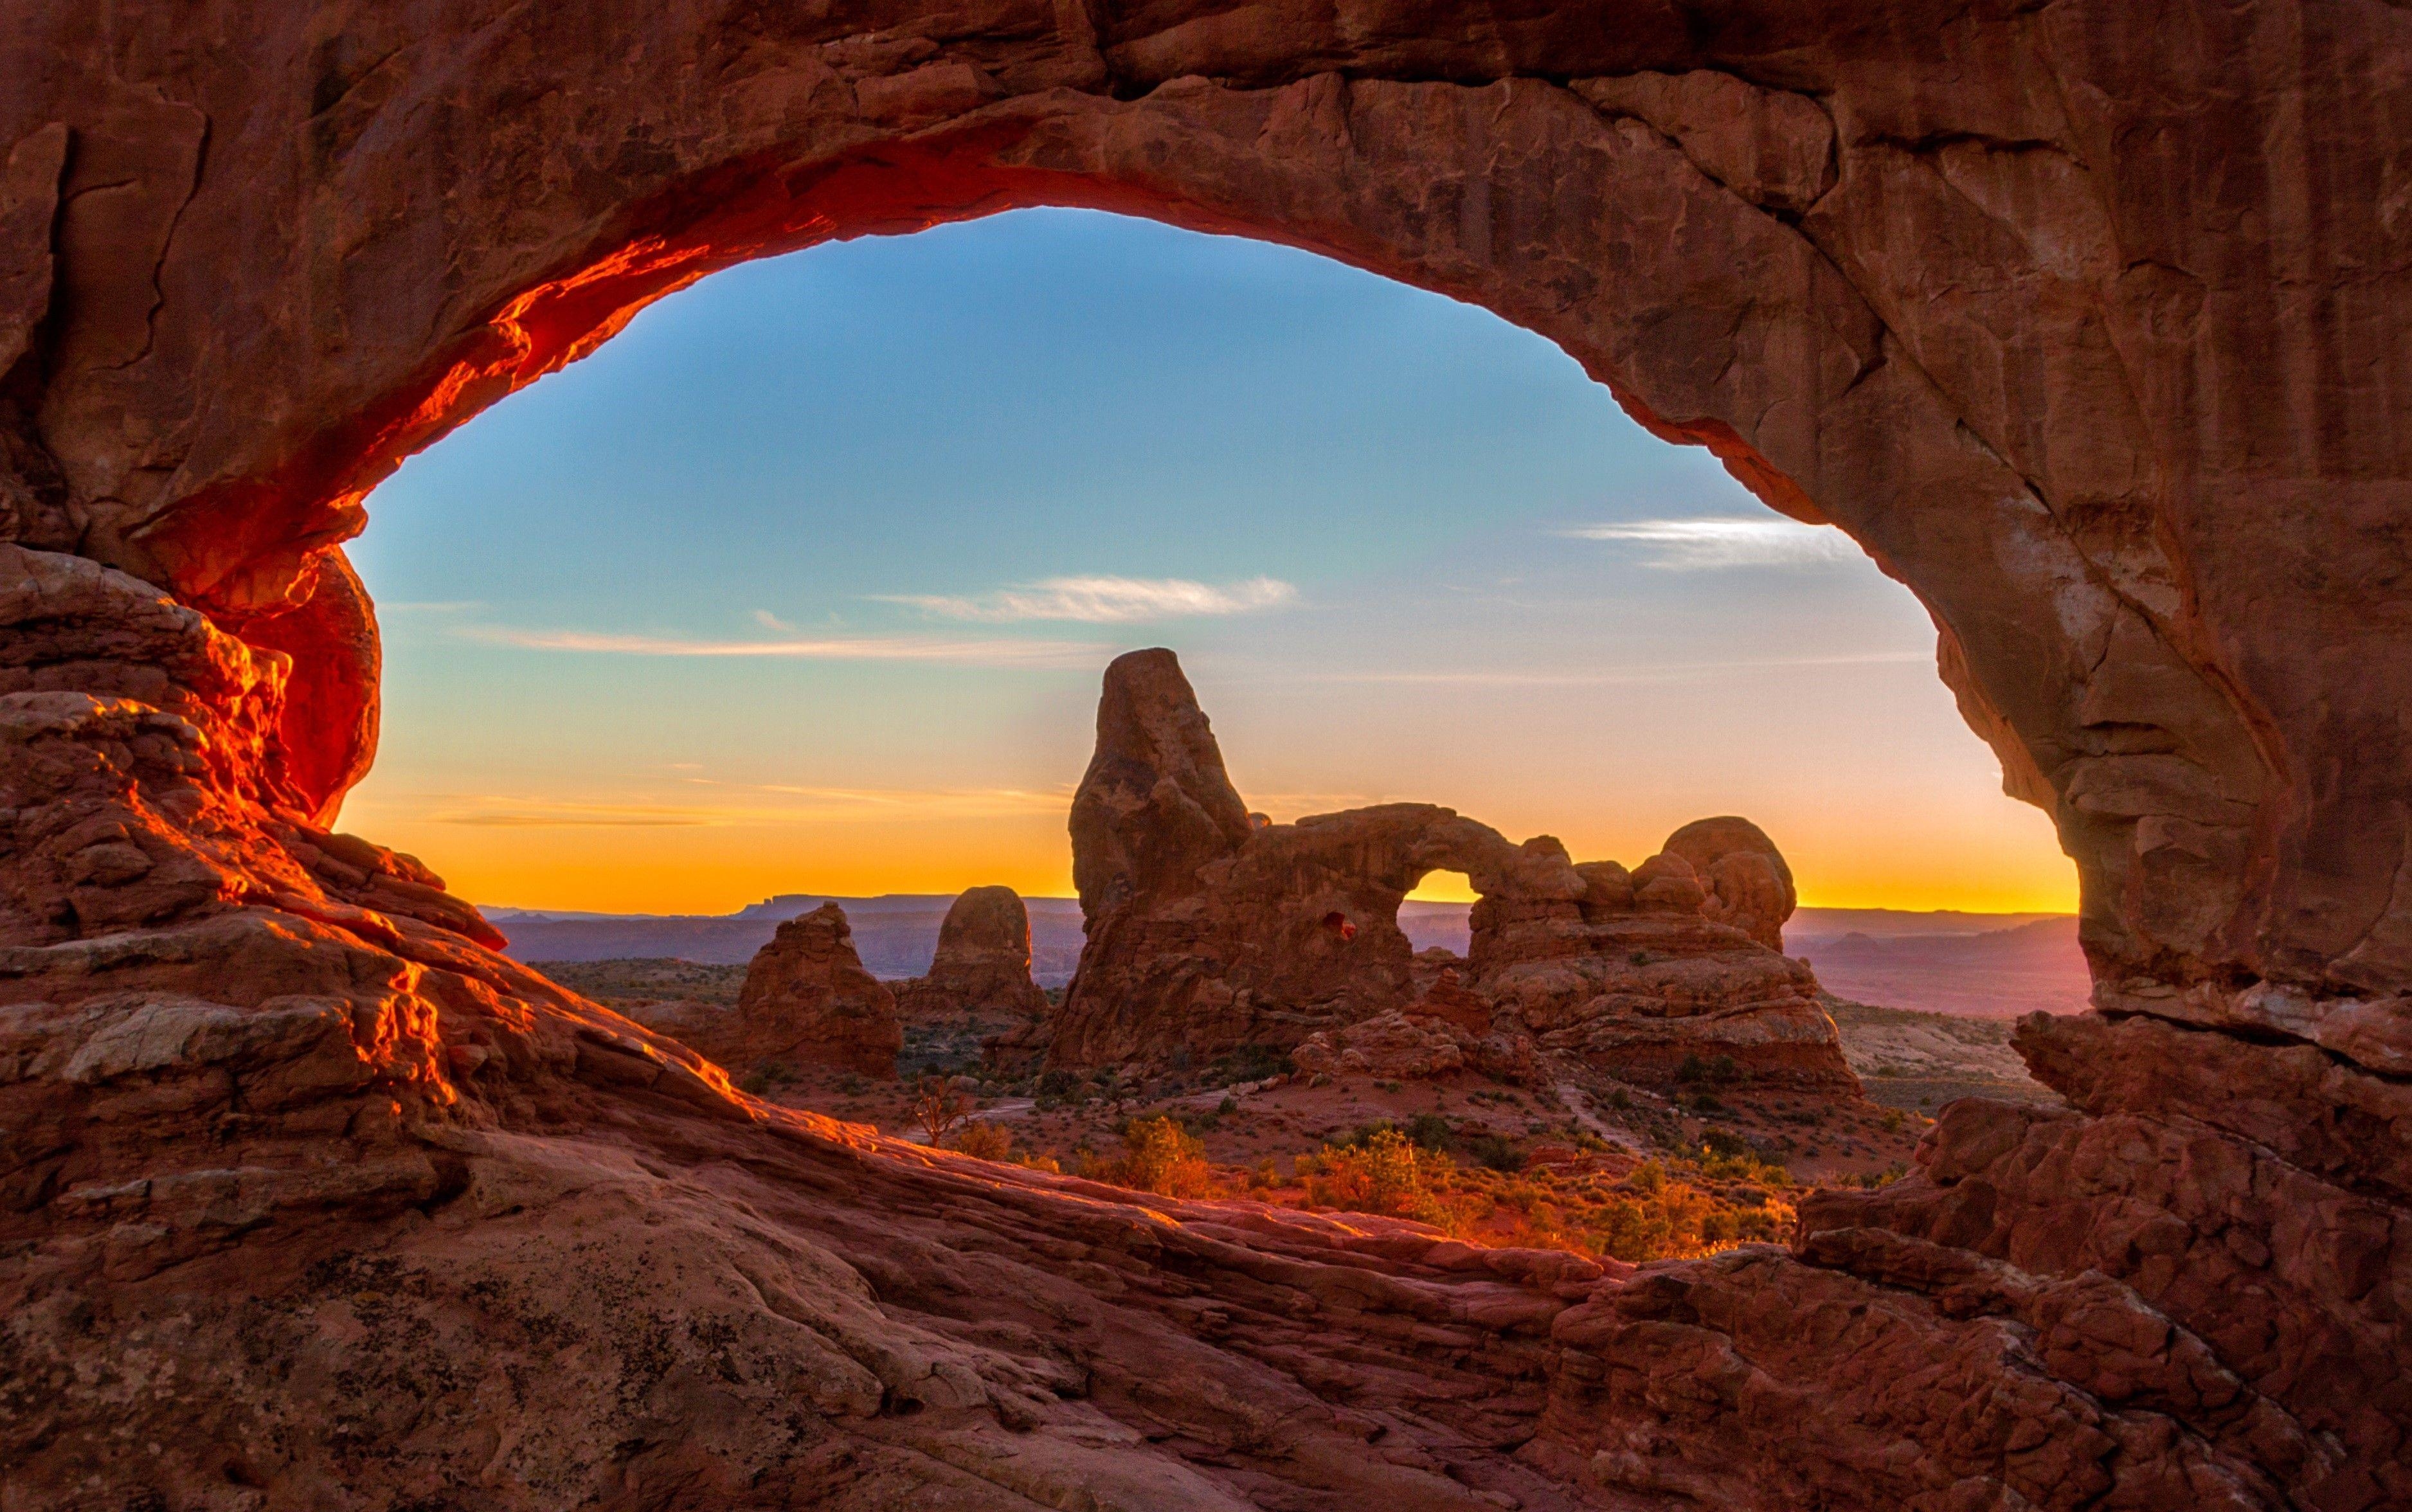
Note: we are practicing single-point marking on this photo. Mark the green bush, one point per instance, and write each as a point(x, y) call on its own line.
point(1494, 1151)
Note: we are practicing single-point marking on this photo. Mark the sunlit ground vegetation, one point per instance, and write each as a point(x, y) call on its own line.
point(1598, 1201)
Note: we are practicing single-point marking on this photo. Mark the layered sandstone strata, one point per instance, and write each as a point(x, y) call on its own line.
point(2086, 321)
point(1207, 930)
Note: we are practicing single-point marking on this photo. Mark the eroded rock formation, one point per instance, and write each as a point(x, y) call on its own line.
point(808, 1001)
point(1219, 931)
point(982, 964)
point(2087, 320)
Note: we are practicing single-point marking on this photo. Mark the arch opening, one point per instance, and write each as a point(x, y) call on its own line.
point(1723, 327)
point(730, 517)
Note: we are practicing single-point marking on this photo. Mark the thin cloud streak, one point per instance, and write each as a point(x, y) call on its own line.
point(1669, 672)
point(503, 810)
point(830, 648)
point(1711, 543)
point(1105, 600)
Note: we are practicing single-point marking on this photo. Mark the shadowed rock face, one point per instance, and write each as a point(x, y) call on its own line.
point(982, 963)
point(808, 1001)
point(2088, 321)
point(1211, 937)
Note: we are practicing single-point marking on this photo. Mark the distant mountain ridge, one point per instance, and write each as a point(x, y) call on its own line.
point(1985, 964)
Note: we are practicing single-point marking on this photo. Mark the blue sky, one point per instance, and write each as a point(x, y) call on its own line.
point(804, 581)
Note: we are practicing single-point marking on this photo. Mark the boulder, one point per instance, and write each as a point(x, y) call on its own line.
point(1390, 1045)
point(1748, 883)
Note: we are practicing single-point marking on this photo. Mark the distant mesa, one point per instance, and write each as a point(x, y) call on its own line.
point(1210, 929)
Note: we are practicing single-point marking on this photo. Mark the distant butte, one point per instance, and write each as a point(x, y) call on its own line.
point(983, 963)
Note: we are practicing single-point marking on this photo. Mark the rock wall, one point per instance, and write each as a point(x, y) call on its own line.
point(2088, 321)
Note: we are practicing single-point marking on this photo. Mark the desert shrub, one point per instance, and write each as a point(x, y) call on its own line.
point(1384, 1172)
point(755, 1082)
point(1492, 1151)
point(1247, 1063)
point(1656, 1216)
point(1691, 1070)
point(1620, 1100)
point(1158, 1156)
point(1430, 1131)
point(1892, 1120)
point(1724, 1142)
point(988, 1141)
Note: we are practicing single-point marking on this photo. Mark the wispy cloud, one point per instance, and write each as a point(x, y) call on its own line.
point(1617, 676)
point(1710, 542)
point(940, 803)
point(768, 620)
point(1101, 600)
point(749, 804)
point(557, 815)
point(999, 653)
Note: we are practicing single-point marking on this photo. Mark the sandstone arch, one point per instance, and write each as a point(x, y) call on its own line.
point(1211, 929)
point(235, 356)
point(2086, 321)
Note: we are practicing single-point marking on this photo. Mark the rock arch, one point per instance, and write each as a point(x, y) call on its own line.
point(2087, 322)
point(1209, 929)
point(232, 357)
